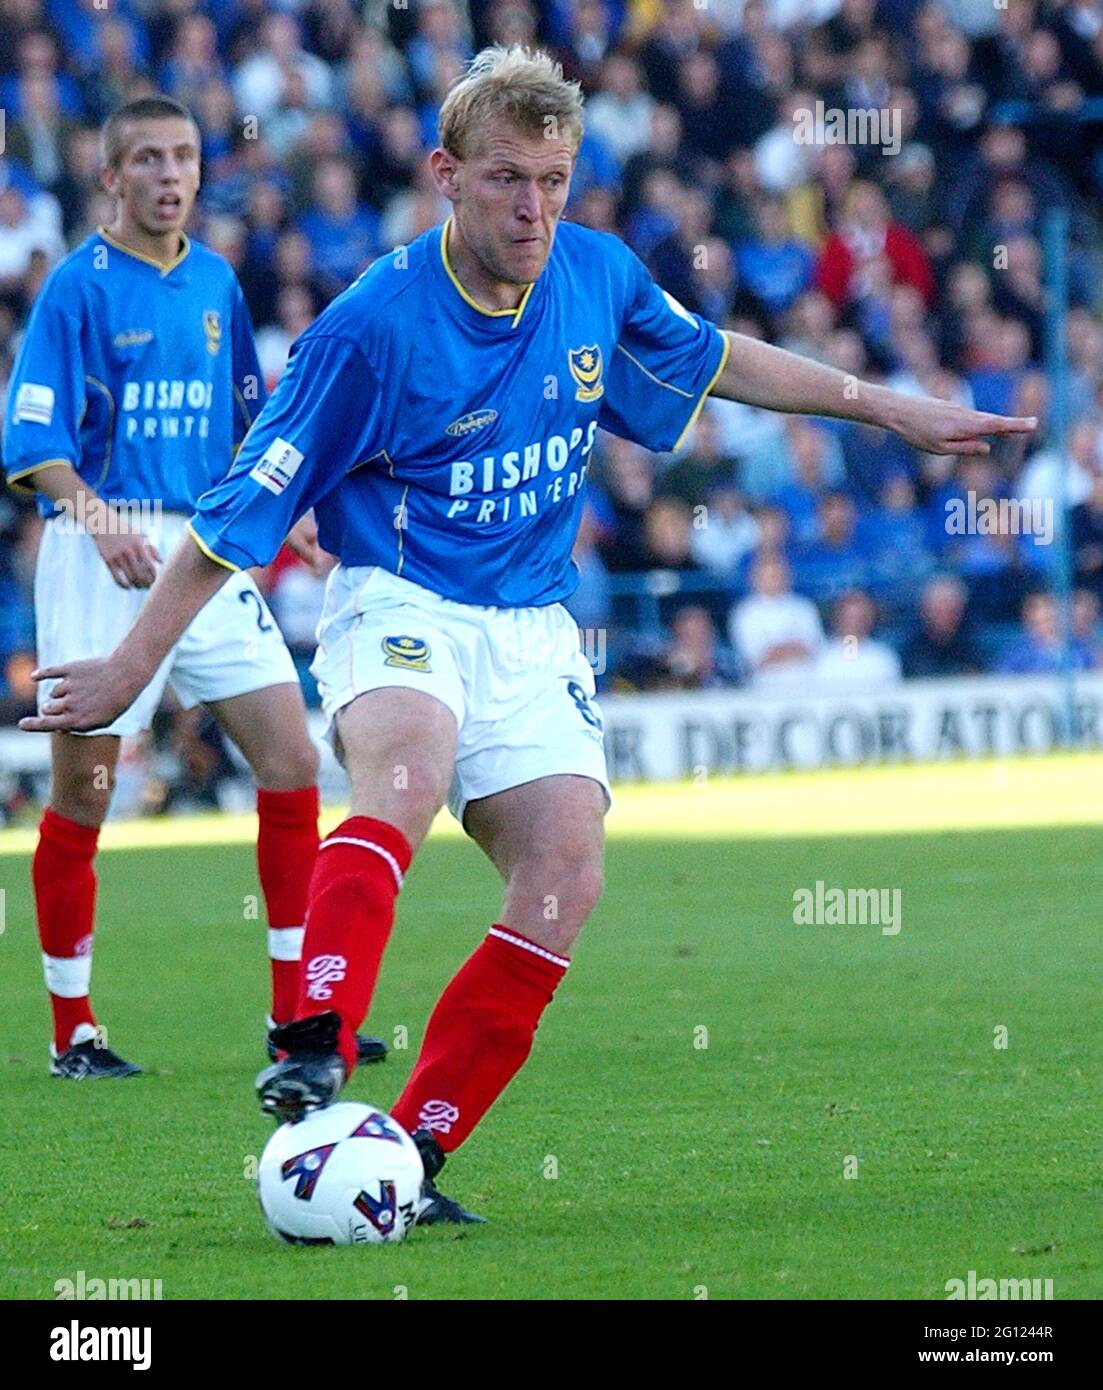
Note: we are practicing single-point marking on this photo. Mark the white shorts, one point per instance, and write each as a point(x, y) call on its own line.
point(516, 679)
point(232, 646)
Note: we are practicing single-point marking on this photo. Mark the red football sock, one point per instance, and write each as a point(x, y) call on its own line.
point(479, 1035)
point(65, 904)
point(287, 845)
point(357, 876)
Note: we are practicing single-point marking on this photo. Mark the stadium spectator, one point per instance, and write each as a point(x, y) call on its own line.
point(724, 533)
point(943, 645)
point(194, 60)
point(668, 533)
point(1085, 628)
point(987, 555)
point(40, 138)
point(814, 471)
point(1039, 650)
point(691, 658)
point(703, 467)
point(621, 111)
point(1086, 530)
point(343, 233)
point(294, 314)
point(261, 80)
point(21, 235)
point(1042, 474)
point(851, 660)
point(776, 633)
point(36, 54)
point(895, 536)
point(629, 484)
point(837, 559)
point(773, 265)
point(866, 235)
point(676, 261)
point(914, 199)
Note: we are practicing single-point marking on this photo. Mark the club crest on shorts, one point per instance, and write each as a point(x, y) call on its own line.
point(411, 653)
point(586, 368)
point(212, 327)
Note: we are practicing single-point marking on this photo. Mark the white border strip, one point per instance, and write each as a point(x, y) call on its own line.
point(367, 844)
point(529, 946)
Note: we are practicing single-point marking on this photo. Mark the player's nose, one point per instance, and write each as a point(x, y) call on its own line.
point(527, 206)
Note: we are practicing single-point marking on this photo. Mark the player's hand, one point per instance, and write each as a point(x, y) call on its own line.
point(303, 540)
point(941, 427)
point(131, 559)
point(88, 695)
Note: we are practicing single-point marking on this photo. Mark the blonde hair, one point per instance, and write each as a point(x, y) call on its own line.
point(526, 87)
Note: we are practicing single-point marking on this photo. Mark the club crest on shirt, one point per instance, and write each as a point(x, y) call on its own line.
point(586, 368)
point(410, 653)
point(212, 327)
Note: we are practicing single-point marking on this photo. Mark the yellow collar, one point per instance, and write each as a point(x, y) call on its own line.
point(515, 314)
point(163, 266)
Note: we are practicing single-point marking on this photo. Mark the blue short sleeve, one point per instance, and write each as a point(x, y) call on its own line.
point(321, 421)
point(665, 362)
point(46, 392)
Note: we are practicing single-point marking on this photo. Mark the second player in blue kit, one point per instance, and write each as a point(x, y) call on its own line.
point(136, 379)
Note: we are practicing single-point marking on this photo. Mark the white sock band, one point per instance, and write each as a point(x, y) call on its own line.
point(285, 943)
point(67, 976)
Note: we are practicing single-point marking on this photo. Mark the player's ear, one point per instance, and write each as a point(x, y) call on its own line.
point(444, 167)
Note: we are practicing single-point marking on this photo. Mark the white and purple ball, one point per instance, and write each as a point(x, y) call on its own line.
point(345, 1175)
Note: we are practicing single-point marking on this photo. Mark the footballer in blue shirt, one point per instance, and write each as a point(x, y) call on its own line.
point(439, 420)
point(136, 378)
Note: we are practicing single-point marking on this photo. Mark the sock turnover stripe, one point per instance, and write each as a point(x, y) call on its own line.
point(526, 945)
point(367, 844)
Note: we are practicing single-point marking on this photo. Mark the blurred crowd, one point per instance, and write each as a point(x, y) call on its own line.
point(773, 550)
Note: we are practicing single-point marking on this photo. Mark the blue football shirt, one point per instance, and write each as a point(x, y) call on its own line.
point(143, 377)
point(449, 443)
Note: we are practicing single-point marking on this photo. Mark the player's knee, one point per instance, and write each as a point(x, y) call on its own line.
point(415, 781)
point(84, 799)
point(587, 883)
point(288, 768)
point(564, 892)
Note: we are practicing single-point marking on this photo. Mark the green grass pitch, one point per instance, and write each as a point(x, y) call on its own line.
point(629, 1160)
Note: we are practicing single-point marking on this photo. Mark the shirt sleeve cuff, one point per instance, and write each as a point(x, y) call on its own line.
point(20, 478)
point(725, 350)
point(218, 549)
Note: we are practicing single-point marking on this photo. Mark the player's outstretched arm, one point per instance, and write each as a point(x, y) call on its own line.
point(758, 374)
point(91, 694)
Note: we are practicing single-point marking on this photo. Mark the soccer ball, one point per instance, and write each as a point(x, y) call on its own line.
point(345, 1175)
